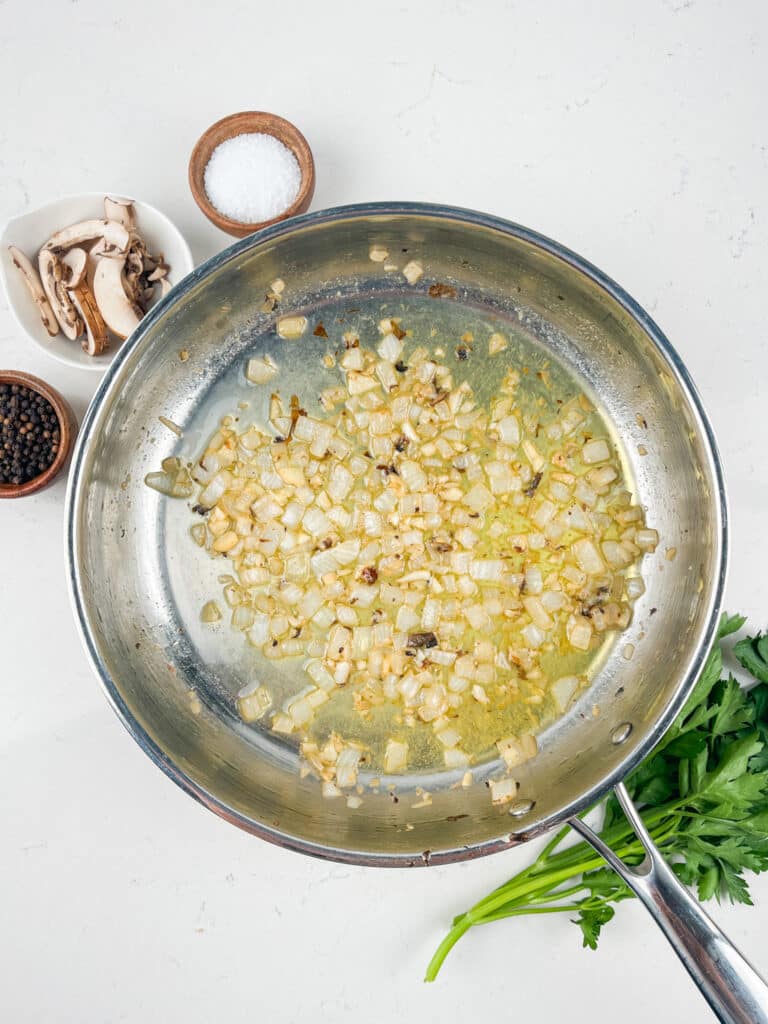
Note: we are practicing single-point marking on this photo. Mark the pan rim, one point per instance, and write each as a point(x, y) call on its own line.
point(720, 507)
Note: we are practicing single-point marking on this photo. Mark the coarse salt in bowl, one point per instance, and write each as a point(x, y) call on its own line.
point(252, 177)
point(250, 170)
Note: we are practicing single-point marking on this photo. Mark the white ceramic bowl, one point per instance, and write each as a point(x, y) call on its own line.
point(30, 230)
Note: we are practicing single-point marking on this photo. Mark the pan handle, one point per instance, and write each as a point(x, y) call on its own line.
point(730, 984)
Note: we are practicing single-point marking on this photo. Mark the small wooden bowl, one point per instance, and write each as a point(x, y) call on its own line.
point(67, 430)
point(246, 122)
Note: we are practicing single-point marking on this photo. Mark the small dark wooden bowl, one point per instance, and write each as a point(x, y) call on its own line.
point(67, 430)
point(243, 123)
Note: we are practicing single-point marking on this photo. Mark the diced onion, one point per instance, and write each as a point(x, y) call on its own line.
point(346, 552)
point(282, 723)
point(413, 546)
point(647, 540)
point(533, 636)
point(538, 613)
point(455, 758)
point(173, 485)
point(488, 570)
point(596, 450)
point(412, 271)
point(588, 556)
point(261, 369)
point(502, 790)
point(291, 327)
point(616, 554)
point(509, 430)
point(635, 588)
point(346, 615)
point(390, 347)
point(255, 703)
point(395, 757)
point(478, 498)
point(346, 767)
point(563, 690)
point(211, 612)
point(516, 750)
point(579, 632)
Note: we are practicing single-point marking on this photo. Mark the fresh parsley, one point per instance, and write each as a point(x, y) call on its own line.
point(702, 793)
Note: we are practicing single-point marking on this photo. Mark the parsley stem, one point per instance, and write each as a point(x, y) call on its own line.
point(704, 798)
point(500, 915)
point(445, 948)
point(574, 855)
point(553, 843)
point(543, 878)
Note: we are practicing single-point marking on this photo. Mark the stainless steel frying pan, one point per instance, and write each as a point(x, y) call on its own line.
point(138, 582)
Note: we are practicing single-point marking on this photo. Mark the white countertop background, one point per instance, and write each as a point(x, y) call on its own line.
point(636, 134)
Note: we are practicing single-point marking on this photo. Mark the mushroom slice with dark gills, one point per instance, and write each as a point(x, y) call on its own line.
point(54, 274)
point(133, 271)
point(142, 272)
point(35, 288)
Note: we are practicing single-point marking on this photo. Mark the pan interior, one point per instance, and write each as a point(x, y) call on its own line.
point(140, 582)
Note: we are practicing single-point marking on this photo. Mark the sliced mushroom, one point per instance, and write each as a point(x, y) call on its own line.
point(90, 272)
point(132, 281)
point(76, 261)
point(158, 273)
point(96, 337)
point(114, 235)
point(136, 254)
point(165, 287)
point(96, 275)
point(120, 210)
point(142, 271)
point(34, 285)
point(134, 263)
point(120, 313)
point(52, 274)
point(99, 248)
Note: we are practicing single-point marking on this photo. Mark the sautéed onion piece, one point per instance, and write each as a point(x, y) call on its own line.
point(416, 550)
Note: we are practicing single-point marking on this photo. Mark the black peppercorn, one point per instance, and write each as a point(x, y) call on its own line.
point(29, 434)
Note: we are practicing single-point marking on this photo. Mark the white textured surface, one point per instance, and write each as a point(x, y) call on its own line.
point(634, 133)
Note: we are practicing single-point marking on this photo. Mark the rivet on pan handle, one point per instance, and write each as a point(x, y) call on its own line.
point(729, 983)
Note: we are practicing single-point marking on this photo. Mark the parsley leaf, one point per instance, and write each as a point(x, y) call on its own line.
point(734, 709)
point(752, 653)
point(591, 920)
point(730, 624)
